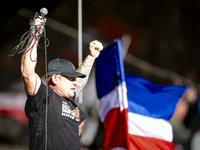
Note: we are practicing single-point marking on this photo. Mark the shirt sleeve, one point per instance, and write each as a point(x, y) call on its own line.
point(83, 116)
point(35, 103)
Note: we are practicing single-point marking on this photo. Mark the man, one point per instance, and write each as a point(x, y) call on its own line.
point(65, 118)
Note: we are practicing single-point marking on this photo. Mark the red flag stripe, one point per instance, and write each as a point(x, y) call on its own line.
point(115, 129)
point(145, 143)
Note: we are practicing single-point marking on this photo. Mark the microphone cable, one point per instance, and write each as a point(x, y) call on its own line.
point(47, 103)
point(24, 40)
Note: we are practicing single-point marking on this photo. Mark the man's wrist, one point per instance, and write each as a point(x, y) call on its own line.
point(91, 57)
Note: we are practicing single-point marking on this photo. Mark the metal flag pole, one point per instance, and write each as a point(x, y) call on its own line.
point(80, 41)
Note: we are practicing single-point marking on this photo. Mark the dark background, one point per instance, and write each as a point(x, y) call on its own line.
point(164, 33)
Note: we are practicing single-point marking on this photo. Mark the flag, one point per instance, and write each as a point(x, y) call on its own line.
point(133, 110)
point(111, 89)
point(150, 106)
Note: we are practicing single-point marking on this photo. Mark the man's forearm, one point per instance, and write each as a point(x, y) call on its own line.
point(29, 56)
point(29, 59)
point(85, 68)
point(28, 63)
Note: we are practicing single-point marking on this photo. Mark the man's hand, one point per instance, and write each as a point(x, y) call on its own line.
point(37, 26)
point(95, 48)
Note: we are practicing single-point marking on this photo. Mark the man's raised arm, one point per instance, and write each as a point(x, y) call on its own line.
point(28, 63)
point(85, 68)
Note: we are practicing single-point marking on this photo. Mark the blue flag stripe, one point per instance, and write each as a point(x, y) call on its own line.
point(109, 69)
point(149, 99)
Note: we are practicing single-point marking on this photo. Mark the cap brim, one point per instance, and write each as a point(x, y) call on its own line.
point(73, 74)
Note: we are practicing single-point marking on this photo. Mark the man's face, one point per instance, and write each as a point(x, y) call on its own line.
point(67, 86)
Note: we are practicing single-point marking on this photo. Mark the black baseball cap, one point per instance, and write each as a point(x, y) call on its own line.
point(63, 67)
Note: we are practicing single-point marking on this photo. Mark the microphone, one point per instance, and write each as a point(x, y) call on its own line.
point(43, 12)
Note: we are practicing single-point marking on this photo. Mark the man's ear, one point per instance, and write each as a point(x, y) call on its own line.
point(54, 79)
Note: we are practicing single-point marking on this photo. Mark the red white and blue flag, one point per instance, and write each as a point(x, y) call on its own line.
point(133, 110)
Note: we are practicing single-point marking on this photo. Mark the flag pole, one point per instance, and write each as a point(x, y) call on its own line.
point(80, 40)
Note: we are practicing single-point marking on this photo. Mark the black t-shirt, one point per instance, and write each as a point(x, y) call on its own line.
point(64, 117)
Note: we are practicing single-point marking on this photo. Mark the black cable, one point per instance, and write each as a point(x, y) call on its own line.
point(25, 42)
point(47, 103)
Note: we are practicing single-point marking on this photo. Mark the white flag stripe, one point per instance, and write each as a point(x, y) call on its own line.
point(116, 98)
point(108, 102)
point(123, 96)
point(149, 127)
